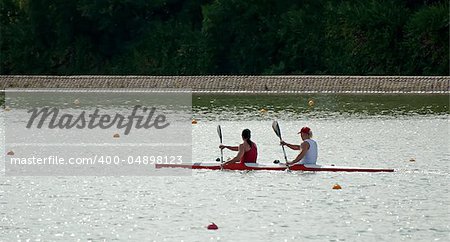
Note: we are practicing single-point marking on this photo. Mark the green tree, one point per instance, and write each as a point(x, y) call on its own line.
point(301, 39)
point(427, 40)
point(191, 37)
point(365, 38)
point(241, 36)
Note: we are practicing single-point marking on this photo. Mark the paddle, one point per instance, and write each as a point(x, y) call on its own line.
point(219, 132)
point(276, 129)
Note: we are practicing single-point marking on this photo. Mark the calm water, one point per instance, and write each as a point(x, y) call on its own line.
point(353, 130)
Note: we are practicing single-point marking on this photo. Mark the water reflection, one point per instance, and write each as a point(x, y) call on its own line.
point(262, 107)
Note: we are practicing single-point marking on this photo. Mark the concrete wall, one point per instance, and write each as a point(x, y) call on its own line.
point(236, 84)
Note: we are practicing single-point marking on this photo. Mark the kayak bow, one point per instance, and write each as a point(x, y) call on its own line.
point(272, 167)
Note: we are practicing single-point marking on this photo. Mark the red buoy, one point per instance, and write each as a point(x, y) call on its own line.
point(212, 226)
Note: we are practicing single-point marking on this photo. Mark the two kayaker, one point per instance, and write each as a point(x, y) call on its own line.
point(308, 148)
point(247, 151)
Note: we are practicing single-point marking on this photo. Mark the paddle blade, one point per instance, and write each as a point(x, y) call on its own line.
point(219, 132)
point(276, 129)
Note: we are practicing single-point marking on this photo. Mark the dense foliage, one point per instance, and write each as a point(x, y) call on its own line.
point(198, 37)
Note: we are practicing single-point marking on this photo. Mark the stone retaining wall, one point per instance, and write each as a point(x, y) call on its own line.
point(236, 84)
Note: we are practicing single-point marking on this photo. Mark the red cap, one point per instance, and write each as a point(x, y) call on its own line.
point(305, 130)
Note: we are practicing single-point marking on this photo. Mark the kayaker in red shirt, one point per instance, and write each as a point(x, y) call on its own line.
point(247, 151)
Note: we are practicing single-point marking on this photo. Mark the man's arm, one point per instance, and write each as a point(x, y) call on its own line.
point(291, 146)
point(305, 147)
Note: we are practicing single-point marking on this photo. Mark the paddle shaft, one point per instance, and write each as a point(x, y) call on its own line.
point(219, 131)
point(284, 151)
point(277, 130)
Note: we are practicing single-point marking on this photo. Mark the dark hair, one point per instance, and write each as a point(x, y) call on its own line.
point(246, 134)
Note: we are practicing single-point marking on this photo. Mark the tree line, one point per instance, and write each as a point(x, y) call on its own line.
point(224, 37)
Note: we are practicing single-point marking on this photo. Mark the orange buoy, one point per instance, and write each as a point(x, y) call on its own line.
point(10, 152)
point(212, 226)
point(116, 135)
point(337, 187)
point(194, 121)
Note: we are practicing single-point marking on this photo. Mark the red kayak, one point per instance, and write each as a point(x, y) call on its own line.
point(272, 167)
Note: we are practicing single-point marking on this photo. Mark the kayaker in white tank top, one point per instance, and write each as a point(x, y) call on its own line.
point(308, 148)
point(311, 155)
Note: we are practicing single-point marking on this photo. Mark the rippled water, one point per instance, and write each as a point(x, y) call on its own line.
point(372, 131)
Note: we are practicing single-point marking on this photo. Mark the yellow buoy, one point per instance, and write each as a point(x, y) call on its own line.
point(194, 121)
point(263, 110)
point(76, 102)
point(337, 186)
point(10, 152)
point(116, 135)
point(311, 103)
